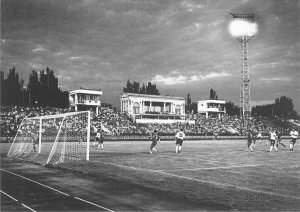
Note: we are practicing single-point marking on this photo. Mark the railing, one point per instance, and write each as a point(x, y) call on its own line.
point(171, 137)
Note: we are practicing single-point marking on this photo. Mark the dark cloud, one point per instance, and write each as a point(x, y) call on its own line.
point(102, 44)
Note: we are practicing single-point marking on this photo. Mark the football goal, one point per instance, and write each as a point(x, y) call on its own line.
point(53, 139)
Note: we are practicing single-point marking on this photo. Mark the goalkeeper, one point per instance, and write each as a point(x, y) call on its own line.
point(154, 138)
point(35, 141)
point(100, 139)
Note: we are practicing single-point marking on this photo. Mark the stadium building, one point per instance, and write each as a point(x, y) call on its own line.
point(146, 108)
point(85, 99)
point(211, 108)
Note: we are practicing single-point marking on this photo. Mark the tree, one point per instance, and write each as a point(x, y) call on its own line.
point(128, 88)
point(135, 88)
point(212, 94)
point(151, 89)
point(13, 88)
point(3, 88)
point(194, 108)
point(188, 104)
point(33, 88)
point(143, 89)
point(231, 109)
point(283, 107)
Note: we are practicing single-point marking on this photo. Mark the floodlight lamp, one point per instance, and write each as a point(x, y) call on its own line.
point(242, 28)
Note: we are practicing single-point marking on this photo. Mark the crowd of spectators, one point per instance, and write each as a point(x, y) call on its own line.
point(120, 123)
point(11, 117)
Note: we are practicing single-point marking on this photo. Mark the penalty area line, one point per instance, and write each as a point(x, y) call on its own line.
point(99, 206)
point(35, 182)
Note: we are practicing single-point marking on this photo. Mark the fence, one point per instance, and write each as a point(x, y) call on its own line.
point(163, 138)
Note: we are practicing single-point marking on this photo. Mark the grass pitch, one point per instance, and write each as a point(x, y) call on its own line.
point(213, 174)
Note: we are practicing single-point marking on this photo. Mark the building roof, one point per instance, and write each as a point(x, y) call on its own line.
point(124, 95)
point(212, 101)
point(86, 91)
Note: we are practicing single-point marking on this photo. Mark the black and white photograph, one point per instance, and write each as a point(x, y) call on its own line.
point(149, 105)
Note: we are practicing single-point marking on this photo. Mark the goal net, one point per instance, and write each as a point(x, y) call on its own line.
point(53, 139)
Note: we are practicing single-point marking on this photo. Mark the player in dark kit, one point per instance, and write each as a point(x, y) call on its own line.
point(250, 141)
point(154, 138)
point(278, 133)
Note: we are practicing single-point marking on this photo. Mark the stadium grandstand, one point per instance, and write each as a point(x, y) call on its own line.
point(120, 123)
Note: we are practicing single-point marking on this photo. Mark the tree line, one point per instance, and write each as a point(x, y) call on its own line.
point(283, 107)
point(134, 87)
point(42, 90)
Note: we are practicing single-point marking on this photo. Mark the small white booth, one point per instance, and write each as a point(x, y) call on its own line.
point(85, 99)
point(211, 108)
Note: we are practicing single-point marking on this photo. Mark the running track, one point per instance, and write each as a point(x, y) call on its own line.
point(29, 195)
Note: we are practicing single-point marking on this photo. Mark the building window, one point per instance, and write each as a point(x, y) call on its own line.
point(136, 108)
point(177, 110)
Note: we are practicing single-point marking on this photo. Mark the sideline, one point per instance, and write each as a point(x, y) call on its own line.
point(17, 201)
point(99, 206)
point(35, 182)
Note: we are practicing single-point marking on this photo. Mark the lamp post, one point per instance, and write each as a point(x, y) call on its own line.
point(243, 28)
point(23, 95)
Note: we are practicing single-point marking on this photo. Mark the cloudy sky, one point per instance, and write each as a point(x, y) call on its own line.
point(183, 46)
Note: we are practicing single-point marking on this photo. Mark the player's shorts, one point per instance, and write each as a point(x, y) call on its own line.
point(249, 142)
point(153, 144)
point(293, 141)
point(272, 142)
point(97, 139)
point(179, 141)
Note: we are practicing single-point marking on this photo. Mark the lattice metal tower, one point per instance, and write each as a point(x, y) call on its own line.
point(243, 38)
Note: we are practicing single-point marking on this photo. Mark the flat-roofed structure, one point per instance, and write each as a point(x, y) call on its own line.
point(85, 99)
point(146, 108)
point(211, 108)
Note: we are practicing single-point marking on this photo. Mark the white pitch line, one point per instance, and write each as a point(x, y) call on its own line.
point(93, 204)
point(203, 181)
point(201, 159)
point(52, 189)
point(9, 196)
point(209, 168)
point(35, 182)
point(229, 185)
point(18, 201)
point(28, 207)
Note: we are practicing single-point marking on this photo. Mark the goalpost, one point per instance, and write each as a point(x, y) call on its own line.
point(53, 139)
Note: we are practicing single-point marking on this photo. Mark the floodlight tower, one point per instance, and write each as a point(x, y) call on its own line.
point(243, 28)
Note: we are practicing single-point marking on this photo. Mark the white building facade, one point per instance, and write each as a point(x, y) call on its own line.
point(146, 108)
point(85, 99)
point(211, 108)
